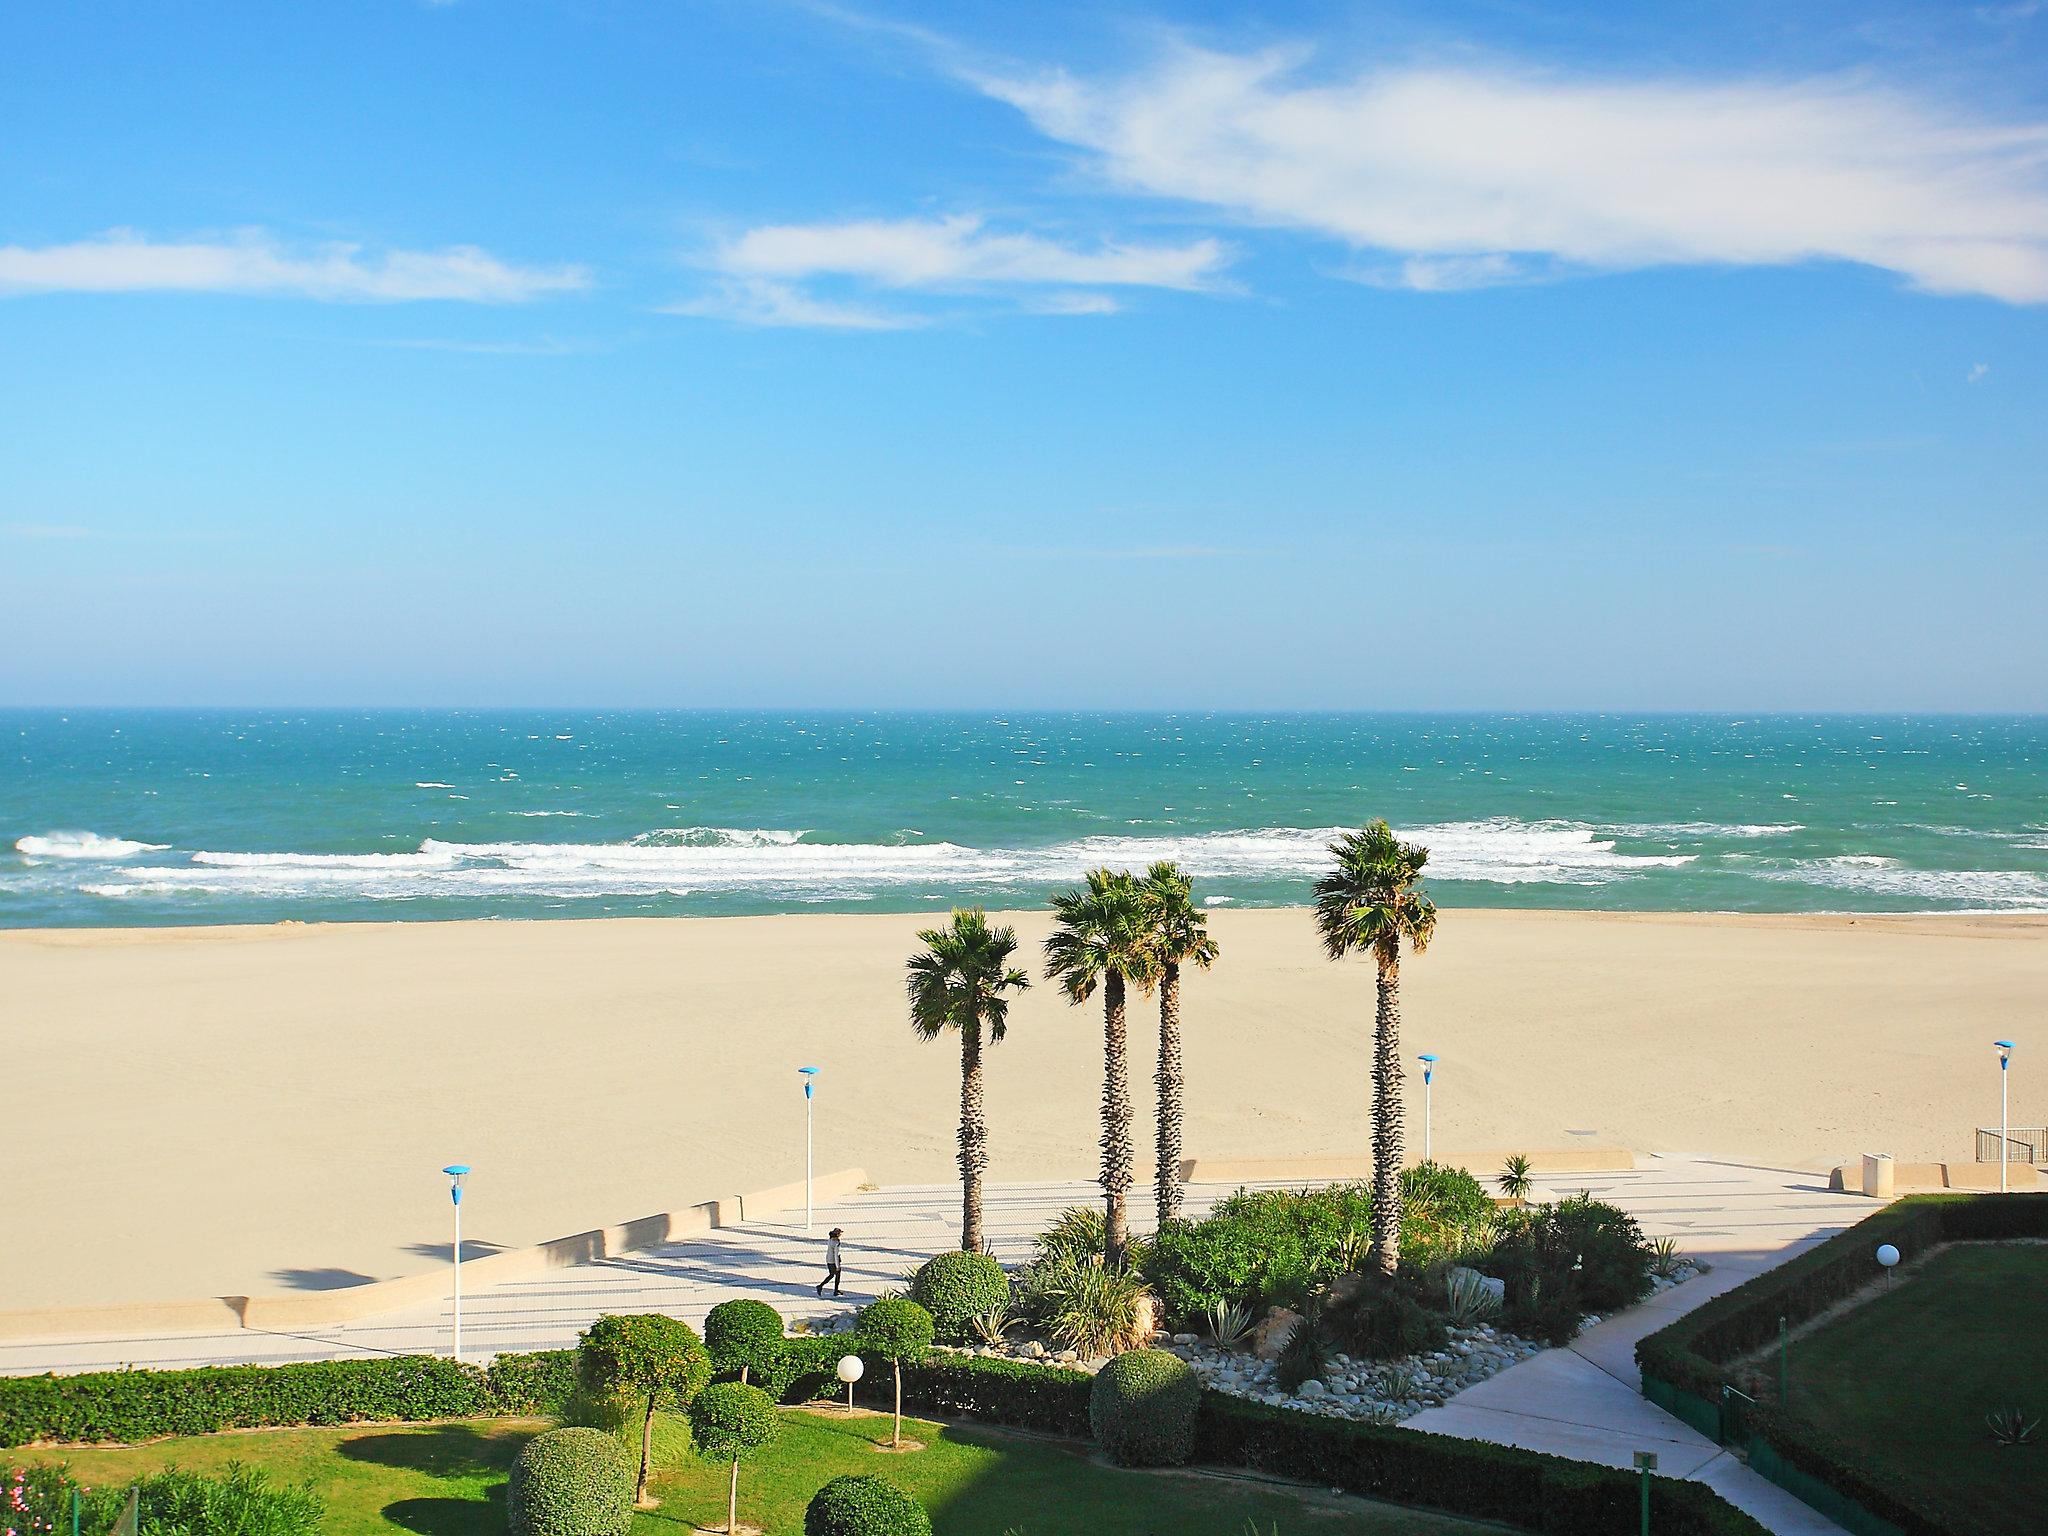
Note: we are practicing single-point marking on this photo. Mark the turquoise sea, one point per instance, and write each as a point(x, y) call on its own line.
point(146, 817)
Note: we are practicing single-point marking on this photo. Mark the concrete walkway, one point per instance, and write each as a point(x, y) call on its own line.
point(1582, 1402)
point(1585, 1401)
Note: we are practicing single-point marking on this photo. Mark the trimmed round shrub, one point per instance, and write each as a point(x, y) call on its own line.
point(864, 1506)
point(730, 1421)
point(896, 1329)
point(741, 1335)
point(571, 1482)
point(1142, 1409)
point(649, 1355)
point(954, 1286)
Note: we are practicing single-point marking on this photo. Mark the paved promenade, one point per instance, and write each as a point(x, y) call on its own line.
point(1582, 1402)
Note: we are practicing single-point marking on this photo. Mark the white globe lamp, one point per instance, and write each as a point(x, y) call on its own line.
point(849, 1370)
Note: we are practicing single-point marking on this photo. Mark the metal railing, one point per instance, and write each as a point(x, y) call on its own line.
point(2023, 1143)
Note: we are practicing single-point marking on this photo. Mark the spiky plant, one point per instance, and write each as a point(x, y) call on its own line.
point(1370, 902)
point(1179, 935)
point(961, 982)
point(1515, 1181)
point(1100, 938)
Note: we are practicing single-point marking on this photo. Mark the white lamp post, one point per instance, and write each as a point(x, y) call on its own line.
point(1887, 1257)
point(1428, 1061)
point(2004, 1111)
point(457, 1172)
point(849, 1371)
point(810, 1076)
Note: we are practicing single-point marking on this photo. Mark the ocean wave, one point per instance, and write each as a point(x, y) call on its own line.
point(83, 845)
point(780, 861)
point(1703, 829)
point(1887, 880)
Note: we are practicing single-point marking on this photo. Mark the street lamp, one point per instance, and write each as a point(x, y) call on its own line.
point(2004, 1111)
point(849, 1370)
point(1428, 1061)
point(810, 1077)
point(457, 1172)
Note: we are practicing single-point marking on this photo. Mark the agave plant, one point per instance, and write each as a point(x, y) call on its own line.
point(1515, 1182)
point(1468, 1299)
point(1229, 1323)
point(2012, 1426)
point(1397, 1384)
point(1665, 1259)
point(992, 1326)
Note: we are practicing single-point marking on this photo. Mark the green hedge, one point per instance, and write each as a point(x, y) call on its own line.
point(131, 1406)
point(1694, 1355)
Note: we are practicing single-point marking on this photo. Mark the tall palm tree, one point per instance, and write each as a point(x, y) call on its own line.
point(1099, 938)
point(960, 982)
point(1178, 935)
point(1370, 901)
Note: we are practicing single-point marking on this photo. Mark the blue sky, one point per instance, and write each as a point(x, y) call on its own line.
point(1454, 356)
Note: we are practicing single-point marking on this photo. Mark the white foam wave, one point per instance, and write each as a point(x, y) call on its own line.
point(680, 860)
point(1885, 879)
point(1704, 829)
point(83, 845)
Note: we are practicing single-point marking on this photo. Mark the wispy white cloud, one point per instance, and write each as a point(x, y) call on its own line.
point(957, 252)
point(771, 275)
point(760, 301)
point(1471, 175)
point(254, 262)
point(1978, 373)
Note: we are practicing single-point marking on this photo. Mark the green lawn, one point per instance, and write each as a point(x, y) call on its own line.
point(449, 1479)
point(1912, 1372)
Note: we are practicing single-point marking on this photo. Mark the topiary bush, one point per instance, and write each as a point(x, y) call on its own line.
point(864, 1506)
point(651, 1358)
point(570, 1482)
point(742, 1335)
point(899, 1331)
point(730, 1421)
point(954, 1286)
point(1142, 1408)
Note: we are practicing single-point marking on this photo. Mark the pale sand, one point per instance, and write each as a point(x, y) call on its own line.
point(231, 1111)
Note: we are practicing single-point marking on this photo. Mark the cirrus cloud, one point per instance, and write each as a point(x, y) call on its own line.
point(1461, 177)
point(254, 262)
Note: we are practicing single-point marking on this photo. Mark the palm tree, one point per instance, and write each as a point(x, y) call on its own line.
point(959, 983)
point(1099, 937)
point(1370, 902)
point(1178, 935)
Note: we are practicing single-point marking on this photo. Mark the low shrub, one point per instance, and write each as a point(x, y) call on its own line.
point(864, 1506)
point(1445, 1213)
point(1083, 1305)
point(1385, 1319)
point(1142, 1408)
point(740, 1334)
point(241, 1501)
point(954, 1286)
point(1306, 1354)
point(1078, 1235)
point(1560, 1262)
point(570, 1482)
point(530, 1385)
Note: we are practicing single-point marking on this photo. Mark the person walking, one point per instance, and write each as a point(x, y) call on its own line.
point(831, 1262)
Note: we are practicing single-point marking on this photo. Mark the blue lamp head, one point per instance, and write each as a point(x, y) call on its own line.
point(456, 1172)
point(810, 1075)
point(2004, 1052)
point(1428, 1060)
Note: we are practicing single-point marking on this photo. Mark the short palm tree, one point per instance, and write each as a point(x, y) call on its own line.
point(960, 982)
point(1178, 933)
point(1370, 901)
point(1100, 937)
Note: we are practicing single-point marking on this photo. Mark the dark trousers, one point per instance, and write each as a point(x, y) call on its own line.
point(831, 1279)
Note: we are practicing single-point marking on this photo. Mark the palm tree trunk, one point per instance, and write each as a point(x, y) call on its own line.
point(1116, 1120)
point(1166, 1182)
point(1386, 1119)
point(732, 1500)
point(973, 1136)
point(646, 1452)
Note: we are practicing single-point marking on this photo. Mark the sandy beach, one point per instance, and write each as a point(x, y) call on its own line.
point(226, 1111)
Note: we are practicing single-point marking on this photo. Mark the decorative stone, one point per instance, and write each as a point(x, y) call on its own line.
point(1271, 1336)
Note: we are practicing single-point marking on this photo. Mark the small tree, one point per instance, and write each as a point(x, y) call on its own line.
point(897, 1330)
point(650, 1356)
point(740, 1333)
point(730, 1421)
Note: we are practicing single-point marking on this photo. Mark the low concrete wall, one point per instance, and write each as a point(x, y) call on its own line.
point(1925, 1178)
point(315, 1309)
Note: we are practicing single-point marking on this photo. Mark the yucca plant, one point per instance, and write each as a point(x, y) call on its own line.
point(1468, 1299)
point(2012, 1425)
point(1090, 1307)
point(1665, 1259)
point(1229, 1323)
point(992, 1326)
